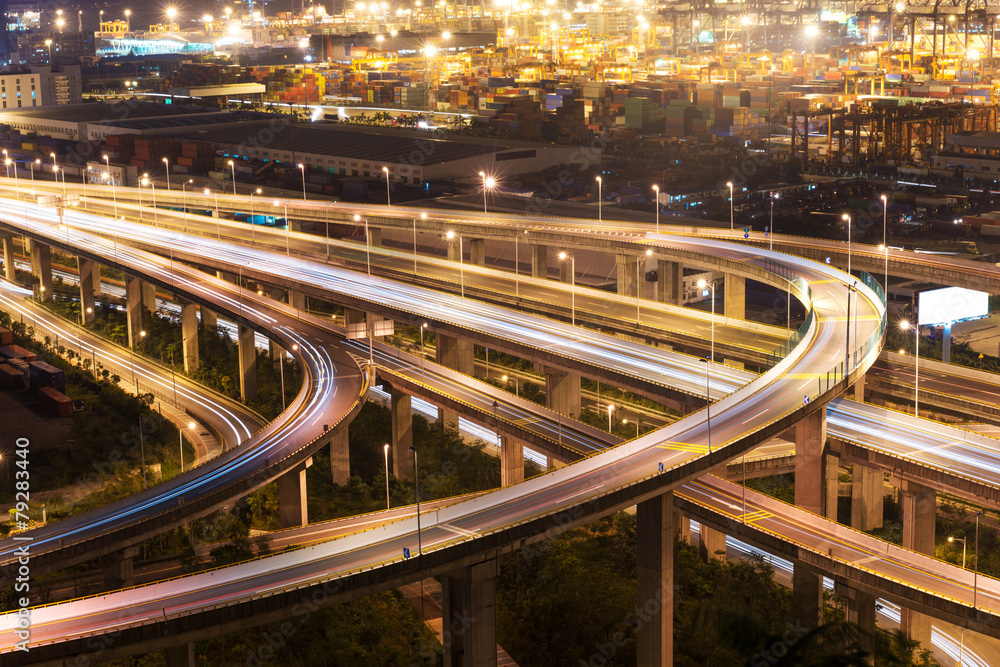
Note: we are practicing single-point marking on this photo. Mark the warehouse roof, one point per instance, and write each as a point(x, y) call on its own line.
point(187, 121)
point(93, 112)
point(342, 141)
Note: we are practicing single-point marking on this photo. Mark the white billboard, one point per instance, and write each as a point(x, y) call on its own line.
point(952, 304)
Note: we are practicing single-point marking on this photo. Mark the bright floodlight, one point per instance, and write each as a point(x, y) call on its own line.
point(562, 255)
point(905, 325)
point(450, 235)
point(845, 217)
point(171, 12)
point(490, 182)
point(745, 20)
point(702, 284)
point(812, 30)
point(445, 35)
point(207, 18)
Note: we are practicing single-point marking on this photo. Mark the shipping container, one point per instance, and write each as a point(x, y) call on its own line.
point(11, 378)
point(55, 402)
point(6, 336)
point(17, 352)
point(46, 375)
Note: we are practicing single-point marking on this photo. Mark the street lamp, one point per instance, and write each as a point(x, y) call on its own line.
point(253, 234)
point(774, 195)
point(107, 161)
point(572, 268)
point(488, 184)
point(388, 193)
point(32, 169)
point(732, 223)
point(905, 325)
point(600, 191)
point(166, 166)
point(218, 228)
point(416, 481)
point(611, 408)
point(422, 356)
point(885, 243)
point(702, 284)
point(48, 43)
point(461, 263)
point(302, 168)
point(232, 166)
point(180, 438)
point(847, 218)
point(975, 560)
point(368, 251)
point(625, 421)
point(288, 228)
point(423, 216)
point(190, 181)
point(656, 189)
point(385, 451)
point(963, 540)
point(516, 389)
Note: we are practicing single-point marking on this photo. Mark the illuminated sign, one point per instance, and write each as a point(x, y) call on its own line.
point(952, 304)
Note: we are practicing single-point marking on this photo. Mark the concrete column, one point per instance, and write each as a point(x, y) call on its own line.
point(917, 626)
point(292, 495)
point(248, 364)
point(683, 524)
point(189, 335)
point(807, 595)
point(133, 309)
point(455, 248)
point(8, 257)
point(627, 266)
point(511, 460)
point(919, 514)
point(539, 261)
point(477, 251)
point(812, 487)
point(861, 612)
point(97, 280)
point(867, 491)
point(340, 457)
point(209, 320)
point(374, 236)
point(859, 389)
point(735, 303)
point(455, 353)
point(149, 297)
point(181, 655)
point(352, 316)
point(711, 542)
point(562, 392)
point(402, 433)
point(669, 281)
point(656, 542)
point(85, 269)
point(117, 568)
point(275, 350)
point(469, 616)
point(297, 299)
point(41, 267)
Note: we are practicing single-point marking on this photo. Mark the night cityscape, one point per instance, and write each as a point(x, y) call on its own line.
point(549, 333)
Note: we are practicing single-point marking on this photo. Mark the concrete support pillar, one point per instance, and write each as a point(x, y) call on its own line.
point(919, 514)
point(539, 261)
point(455, 248)
point(148, 297)
point(133, 309)
point(712, 544)
point(735, 304)
point(41, 267)
point(181, 655)
point(861, 612)
point(292, 496)
point(656, 544)
point(511, 460)
point(814, 489)
point(683, 524)
point(807, 595)
point(352, 316)
point(275, 350)
point(117, 568)
point(627, 267)
point(85, 269)
point(340, 457)
point(917, 626)
point(867, 491)
point(297, 300)
point(469, 616)
point(248, 364)
point(455, 353)
point(189, 335)
point(374, 236)
point(8, 257)
point(97, 280)
point(209, 320)
point(477, 251)
point(669, 281)
point(858, 389)
point(562, 392)
point(402, 433)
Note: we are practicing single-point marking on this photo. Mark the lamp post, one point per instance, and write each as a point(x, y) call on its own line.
point(572, 268)
point(114, 194)
point(184, 203)
point(488, 184)
point(288, 228)
point(48, 43)
point(656, 189)
point(975, 560)
point(232, 167)
point(905, 325)
point(32, 169)
point(152, 187)
point(732, 223)
point(885, 243)
point(416, 482)
point(963, 540)
point(517, 391)
point(131, 352)
point(611, 408)
point(422, 357)
point(302, 168)
point(253, 233)
point(639, 287)
point(388, 192)
point(847, 218)
point(636, 422)
point(423, 216)
point(702, 284)
point(368, 251)
point(600, 197)
point(517, 262)
point(218, 228)
point(774, 195)
point(461, 263)
point(385, 451)
point(166, 167)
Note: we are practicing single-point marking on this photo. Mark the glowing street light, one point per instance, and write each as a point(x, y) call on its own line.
point(847, 218)
point(702, 284)
point(388, 192)
point(368, 250)
point(885, 242)
point(732, 224)
point(572, 269)
point(461, 263)
point(905, 326)
point(302, 168)
point(232, 166)
point(656, 189)
point(600, 197)
point(385, 451)
point(488, 184)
